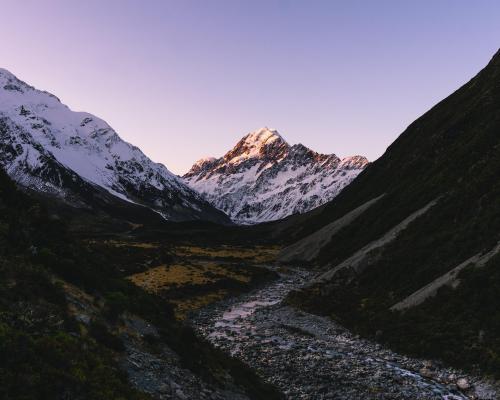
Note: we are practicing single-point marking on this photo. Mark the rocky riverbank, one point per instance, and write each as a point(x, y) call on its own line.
point(312, 357)
point(158, 371)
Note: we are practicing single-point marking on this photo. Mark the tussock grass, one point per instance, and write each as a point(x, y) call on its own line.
point(199, 276)
point(256, 254)
point(163, 276)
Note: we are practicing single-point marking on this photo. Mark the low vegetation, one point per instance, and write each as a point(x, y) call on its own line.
point(251, 254)
point(200, 276)
point(46, 350)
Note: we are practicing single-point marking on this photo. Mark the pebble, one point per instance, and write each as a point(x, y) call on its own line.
point(463, 384)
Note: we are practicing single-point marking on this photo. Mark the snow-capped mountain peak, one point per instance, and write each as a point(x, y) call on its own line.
point(261, 138)
point(264, 178)
point(46, 146)
point(259, 144)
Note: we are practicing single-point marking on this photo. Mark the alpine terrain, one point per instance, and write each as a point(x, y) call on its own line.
point(78, 157)
point(410, 251)
point(271, 271)
point(263, 178)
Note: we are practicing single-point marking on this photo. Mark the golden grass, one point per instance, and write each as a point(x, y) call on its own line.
point(141, 245)
point(163, 277)
point(184, 307)
point(199, 265)
point(160, 277)
point(257, 254)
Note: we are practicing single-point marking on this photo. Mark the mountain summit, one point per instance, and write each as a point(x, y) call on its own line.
point(264, 178)
point(78, 157)
point(263, 143)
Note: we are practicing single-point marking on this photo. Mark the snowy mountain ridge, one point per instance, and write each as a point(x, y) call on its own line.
point(263, 178)
point(47, 147)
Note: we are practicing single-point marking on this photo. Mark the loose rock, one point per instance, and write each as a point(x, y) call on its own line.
point(312, 357)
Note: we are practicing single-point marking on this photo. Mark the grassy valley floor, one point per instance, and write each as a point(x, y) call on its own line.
point(190, 276)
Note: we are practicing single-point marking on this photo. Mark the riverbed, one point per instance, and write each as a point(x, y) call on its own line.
point(312, 357)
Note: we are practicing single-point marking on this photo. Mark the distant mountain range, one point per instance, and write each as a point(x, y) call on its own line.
point(79, 158)
point(263, 178)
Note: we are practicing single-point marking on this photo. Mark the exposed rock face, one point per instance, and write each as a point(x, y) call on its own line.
point(49, 148)
point(264, 178)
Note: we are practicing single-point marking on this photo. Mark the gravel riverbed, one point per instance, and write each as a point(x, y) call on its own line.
point(312, 357)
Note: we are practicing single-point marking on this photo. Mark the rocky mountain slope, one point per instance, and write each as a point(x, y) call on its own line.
point(263, 178)
point(410, 250)
point(76, 156)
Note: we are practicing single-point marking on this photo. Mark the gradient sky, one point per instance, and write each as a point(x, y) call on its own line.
point(186, 79)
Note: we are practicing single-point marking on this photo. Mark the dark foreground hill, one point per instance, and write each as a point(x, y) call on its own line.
point(410, 248)
point(71, 326)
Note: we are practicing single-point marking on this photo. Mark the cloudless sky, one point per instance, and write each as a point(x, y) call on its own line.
point(186, 79)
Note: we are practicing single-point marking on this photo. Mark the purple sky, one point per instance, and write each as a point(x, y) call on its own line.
point(186, 79)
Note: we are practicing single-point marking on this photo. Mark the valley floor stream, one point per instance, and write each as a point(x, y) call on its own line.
point(312, 357)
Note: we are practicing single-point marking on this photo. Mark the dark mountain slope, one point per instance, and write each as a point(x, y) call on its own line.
point(431, 156)
point(440, 177)
point(67, 317)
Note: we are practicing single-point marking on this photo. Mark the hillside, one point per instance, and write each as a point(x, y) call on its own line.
point(78, 157)
point(409, 250)
point(72, 325)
